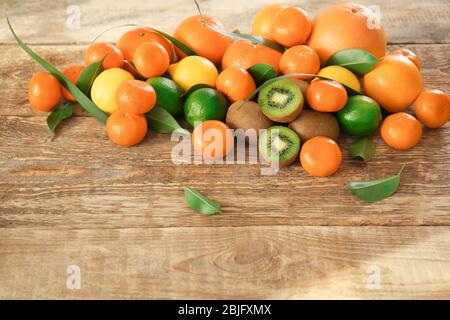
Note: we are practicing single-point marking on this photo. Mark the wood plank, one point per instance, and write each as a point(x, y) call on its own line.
point(227, 263)
point(45, 21)
point(81, 180)
point(14, 77)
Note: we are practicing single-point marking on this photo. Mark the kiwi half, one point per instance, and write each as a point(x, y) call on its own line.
point(281, 101)
point(279, 144)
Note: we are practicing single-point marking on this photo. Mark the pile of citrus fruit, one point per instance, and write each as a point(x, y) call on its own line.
point(299, 81)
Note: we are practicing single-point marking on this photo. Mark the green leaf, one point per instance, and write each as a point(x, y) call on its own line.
point(355, 60)
point(188, 51)
point(363, 148)
point(200, 203)
point(163, 122)
point(376, 190)
point(132, 66)
point(84, 101)
point(88, 76)
point(253, 39)
point(59, 114)
point(195, 88)
point(262, 72)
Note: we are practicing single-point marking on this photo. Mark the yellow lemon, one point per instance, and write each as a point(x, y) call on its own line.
point(342, 75)
point(193, 70)
point(103, 92)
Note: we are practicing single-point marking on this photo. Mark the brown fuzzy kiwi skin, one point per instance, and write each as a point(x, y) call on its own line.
point(302, 85)
point(311, 124)
point(247, 116)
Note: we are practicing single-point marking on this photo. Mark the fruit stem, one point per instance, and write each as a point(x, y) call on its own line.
point(199, 9)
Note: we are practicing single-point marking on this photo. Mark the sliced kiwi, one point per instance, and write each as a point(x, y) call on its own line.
point(279, 144)
point(281, 101)
point(311, 124)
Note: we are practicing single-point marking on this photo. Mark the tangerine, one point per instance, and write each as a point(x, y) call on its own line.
point(98, 51)
point(151, 59)
point(321, 156)
point(300, 59)
point(212, 139)
point(291, 27)
point(401, 131)
point(263, 21)
point(126, 129)
point(72, 73)
point(433, 108)
point(135, 96)
point(44, 91)
point(326, 96)
point(410, 55)
point(236, 83)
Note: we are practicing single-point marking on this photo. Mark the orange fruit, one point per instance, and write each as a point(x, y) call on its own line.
point(321, 156)
point(126, 129)
point(244, 54)
point(44, 91)
point(197, 33)
point(326, 96)
point(401, 131)
point(131, 40)
point(72, 73)
point(300, 59)
point(395, 83)
point(345, 26)
point(135, 96)
point(410, 55)
point(263, 21)
point(236, 83)
point(212, 139)
point(291, 27)
point(433, 108)
point(113, 56)
point(151, 59)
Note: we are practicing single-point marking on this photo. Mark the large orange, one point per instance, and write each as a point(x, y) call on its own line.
point(345, 26)
point(132, 39)
point(394, 83)
point(197, 33)
point(263, 21)
point(244, 54)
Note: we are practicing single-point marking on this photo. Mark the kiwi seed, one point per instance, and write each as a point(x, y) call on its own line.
point(279, 144)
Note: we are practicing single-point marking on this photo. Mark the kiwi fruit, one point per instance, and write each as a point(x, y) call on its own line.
point(303, 86)
point(247, 116)
point(281, 101)
point(279, 144)
point(311, 124)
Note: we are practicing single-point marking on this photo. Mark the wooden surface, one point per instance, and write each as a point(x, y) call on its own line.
point(119, 214)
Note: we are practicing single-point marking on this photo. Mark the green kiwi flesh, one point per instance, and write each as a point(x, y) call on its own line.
point(281, 101)
point(279, 144)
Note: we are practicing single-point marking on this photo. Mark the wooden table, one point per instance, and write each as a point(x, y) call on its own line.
point(119, 214)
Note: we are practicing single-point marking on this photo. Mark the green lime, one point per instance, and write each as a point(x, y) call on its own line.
point(360, 116)
point(205, 104)
point(168, 94)
point(262, 72)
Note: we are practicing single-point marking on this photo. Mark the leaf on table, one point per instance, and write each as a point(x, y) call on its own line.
point(355, 60)
point(87, 77)
point(58, 115)
point(200, 203)
point(163, 122)
point(363, 148)
point(82, 99)
point(376, 190)
point(262, 72)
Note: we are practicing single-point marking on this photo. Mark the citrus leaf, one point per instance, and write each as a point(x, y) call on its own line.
point(84, 101)
point(132, 66)
point(262, 72)
point(87, 77)
point(59, 114)
point(195, 88)
point(376, 190)
point(177, 43)
point(253, 39)
point(363, 148)
point(355, 60)
point(163, 122)
point(200, 203)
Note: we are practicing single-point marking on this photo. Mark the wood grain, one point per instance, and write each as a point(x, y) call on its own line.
point(81, 180)
point(234, 263)
point(45, 21)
